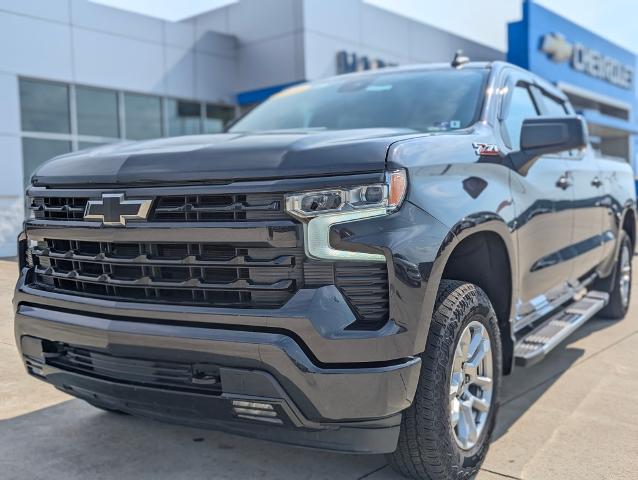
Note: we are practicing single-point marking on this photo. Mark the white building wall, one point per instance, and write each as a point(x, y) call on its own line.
point(357, 27)
point(270, 49)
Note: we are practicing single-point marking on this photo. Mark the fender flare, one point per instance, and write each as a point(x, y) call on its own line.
point(480, 222)
point(607, 271)
point(629, 207)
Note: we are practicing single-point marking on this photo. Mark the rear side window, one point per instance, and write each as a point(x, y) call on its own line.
point(553, 106)
point(521, 107)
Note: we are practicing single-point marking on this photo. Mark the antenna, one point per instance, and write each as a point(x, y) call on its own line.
point(460, 59)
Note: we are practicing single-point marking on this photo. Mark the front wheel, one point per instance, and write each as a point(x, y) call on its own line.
point(446, 432)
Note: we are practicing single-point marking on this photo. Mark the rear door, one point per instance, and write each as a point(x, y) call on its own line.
point(587, 188)
point(543, 198)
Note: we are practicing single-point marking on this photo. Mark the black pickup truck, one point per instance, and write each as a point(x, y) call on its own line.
point(352, 266)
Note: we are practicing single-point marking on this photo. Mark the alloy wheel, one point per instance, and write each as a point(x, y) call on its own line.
point(625, 275)
point(471, 384)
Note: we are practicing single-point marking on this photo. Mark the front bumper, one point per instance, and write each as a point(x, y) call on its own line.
point(353, 409)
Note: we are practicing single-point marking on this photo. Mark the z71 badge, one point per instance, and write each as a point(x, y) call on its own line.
point(488, 149)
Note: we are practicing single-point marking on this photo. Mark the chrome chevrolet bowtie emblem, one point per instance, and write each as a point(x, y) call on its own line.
point(556, 47)
point(114, 210)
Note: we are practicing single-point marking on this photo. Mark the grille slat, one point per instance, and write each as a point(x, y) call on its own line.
point(243, 260)
point(146, 281)
point(189, 274)
point(234, 207)
point(177, 208)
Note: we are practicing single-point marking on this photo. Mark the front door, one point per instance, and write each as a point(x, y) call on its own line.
point(542, 196)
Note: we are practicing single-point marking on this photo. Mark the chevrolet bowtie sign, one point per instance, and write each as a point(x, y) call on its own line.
point(114, 210)
point(587, 60)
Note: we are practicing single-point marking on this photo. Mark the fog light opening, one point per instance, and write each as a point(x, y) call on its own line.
point(257, 411)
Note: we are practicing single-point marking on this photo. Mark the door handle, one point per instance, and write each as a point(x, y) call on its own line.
point(563, 182)
point(596, 182)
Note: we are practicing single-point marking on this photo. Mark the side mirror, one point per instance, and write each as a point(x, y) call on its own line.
point(547, 135)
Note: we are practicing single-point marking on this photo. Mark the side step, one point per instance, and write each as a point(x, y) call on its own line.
point(534, 346)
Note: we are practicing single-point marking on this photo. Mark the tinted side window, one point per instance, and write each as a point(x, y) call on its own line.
point(521, 107)
point(553, 107)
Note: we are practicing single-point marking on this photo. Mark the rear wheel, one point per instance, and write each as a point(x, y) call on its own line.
point(446, 432)
point(620, 291)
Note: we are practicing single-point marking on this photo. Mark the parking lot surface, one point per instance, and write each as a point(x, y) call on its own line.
point(574, 416)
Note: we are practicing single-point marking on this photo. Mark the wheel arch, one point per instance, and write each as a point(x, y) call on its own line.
point(479, 249)
point(626, 224)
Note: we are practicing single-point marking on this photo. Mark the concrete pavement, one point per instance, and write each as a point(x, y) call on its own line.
point(574, 416)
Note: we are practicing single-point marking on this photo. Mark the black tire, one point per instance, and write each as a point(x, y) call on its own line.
point(427, 448)
point(617, 308)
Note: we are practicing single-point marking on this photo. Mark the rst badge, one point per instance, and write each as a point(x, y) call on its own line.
point(486, 149)
point(113, 209)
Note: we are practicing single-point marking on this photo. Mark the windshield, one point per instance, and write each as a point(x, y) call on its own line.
point(424, 101)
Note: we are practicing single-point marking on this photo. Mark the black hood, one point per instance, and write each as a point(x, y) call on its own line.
point(224, 158)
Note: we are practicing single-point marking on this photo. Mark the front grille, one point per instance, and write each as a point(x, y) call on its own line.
point(189, 273)
point(253, 274)
point(205, 275)
point(177, 208)
point(202, 377)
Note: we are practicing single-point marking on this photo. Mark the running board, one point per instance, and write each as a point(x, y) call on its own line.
point(534, 346)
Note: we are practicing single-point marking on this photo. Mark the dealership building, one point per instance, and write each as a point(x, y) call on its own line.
point(75, 74)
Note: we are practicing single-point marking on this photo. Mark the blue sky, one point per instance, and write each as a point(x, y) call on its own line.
point(480, 20)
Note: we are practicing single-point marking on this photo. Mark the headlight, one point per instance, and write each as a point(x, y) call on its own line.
point(320, 210)
point(388, 196)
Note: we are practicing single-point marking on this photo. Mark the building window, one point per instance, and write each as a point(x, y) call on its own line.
point(44, 107)
point(36, 151)
point(217, 117)
point(97, 112)
point(143, 116)
point(184, 118)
